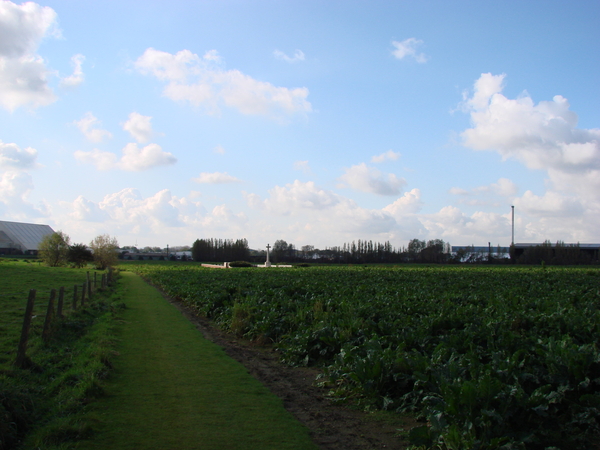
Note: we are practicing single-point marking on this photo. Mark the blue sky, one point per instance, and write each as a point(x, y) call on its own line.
point(315, 122)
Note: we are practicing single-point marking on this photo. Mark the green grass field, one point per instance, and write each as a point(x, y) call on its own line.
point(40, 406)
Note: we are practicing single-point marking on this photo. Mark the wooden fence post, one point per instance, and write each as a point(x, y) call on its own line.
point(83, 294)
point(89, 286)
point(95, 285)
point(22, 361)
point(74, 297)
point(49, 316)
point(61, 299)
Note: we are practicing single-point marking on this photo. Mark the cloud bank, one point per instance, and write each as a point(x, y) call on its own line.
point(202, 81)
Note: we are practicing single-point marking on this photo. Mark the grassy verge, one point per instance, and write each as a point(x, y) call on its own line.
point(172, 388)
point(42, 407)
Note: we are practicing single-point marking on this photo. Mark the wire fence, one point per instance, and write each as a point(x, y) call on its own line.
point(81, 294)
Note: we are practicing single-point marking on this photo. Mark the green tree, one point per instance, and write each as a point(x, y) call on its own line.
point(54, 249)
point(80, 255)
point(105, 250)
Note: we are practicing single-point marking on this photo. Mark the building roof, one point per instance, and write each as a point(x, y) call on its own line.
point(553, 244)
point(22, 236)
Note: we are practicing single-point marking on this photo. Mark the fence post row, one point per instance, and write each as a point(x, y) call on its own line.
point(22, 361)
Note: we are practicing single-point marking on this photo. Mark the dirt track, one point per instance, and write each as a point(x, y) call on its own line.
point(332, 426)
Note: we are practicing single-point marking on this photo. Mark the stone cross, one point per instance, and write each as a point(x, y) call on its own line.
point(268, 263)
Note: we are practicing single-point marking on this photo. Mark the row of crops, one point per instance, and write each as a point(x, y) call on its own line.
point(491, 358)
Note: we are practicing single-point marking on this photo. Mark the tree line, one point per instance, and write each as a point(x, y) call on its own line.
point(559, 254)
point(220, 250)
point(363, 251)
point(434, 251)
point(55, 250)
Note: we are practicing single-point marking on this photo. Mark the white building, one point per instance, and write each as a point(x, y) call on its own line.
point(18, 237)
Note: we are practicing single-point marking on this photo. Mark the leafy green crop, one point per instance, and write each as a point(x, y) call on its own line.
point(490, 357)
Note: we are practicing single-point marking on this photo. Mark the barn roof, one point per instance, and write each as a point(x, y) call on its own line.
point(22, 236)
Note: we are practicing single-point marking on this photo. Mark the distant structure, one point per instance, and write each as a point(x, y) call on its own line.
point(593, 250)
point(21, 238)
point(474, 252)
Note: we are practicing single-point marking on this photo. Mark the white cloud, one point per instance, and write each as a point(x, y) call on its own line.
point(22, 27)
point(131, 216)
point(408, 47)
point(13, 157)
point(367, 179)
point(458, 191)
point(201, 82)
point(102, 160)
point(551, 204)
point(76, 78)
point(87, 211)
point(387, 156)
point(542, 136)
point(503, 188)
point(216, 178)
point(139, 127)
point(87, 126)
point(152, 155)
point(15, 187)
point(313, 215)
point(302, 166)
point(130, 208)
point(219, 150)
point(23, 74)
point(298, 196)
point(409, 203)
point(134, 159)
point(454, 226)
point(298, 56)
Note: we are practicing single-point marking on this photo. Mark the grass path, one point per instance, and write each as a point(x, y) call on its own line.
point(173, 389)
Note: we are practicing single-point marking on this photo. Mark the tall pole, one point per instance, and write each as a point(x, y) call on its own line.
point(513, 225)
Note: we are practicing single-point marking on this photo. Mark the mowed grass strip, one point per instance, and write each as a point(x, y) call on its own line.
point(173, 389)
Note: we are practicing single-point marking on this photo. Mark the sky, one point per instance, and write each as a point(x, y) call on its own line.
point(314, 122)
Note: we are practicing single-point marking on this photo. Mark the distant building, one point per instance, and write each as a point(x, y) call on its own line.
point(593, 250)
point(472, 252)
point(21, 238)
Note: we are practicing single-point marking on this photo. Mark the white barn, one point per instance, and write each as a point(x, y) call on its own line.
point(18, 237)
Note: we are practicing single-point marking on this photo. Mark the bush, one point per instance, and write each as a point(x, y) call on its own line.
point(240, 264)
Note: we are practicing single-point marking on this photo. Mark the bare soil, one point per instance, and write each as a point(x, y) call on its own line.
point(332, 426)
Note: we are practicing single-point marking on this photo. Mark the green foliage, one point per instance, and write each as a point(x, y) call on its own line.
point(493, 358)
point(105, 250)
point(79, 255)
point(53, 249)
point(240, 264)
point(219, 250)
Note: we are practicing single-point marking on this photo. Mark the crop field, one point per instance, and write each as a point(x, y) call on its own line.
point(489, 357)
